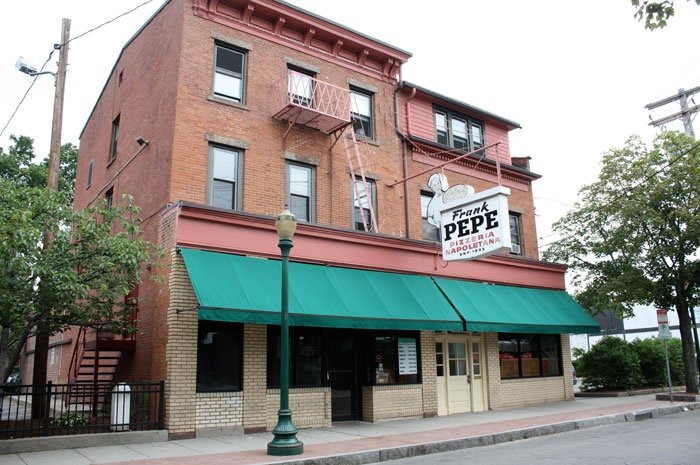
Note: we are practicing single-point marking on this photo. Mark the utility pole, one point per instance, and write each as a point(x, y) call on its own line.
point(41, 341)
point(682, 97)
point(685, 113)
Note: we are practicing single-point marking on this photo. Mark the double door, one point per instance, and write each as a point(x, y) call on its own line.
point(460, 374)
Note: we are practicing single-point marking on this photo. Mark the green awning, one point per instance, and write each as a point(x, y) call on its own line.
point(509, 309)
point(242, 289)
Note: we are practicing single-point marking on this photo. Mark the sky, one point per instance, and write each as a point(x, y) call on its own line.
point(575, 75)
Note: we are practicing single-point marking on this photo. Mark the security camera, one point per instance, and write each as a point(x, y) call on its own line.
point(141, 141)
point(25, 67)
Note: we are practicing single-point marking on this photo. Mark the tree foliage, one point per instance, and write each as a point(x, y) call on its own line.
point(655, 14)
point(610, 364)
point(652, 361)
point(82, 277)
point(634, 235)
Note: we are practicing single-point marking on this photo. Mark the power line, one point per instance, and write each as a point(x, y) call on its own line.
point(644, 180)
point(61, 46)
point(106, 22)
point(25, 94)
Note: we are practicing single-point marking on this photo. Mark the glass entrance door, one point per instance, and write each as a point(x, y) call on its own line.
point(341, 376)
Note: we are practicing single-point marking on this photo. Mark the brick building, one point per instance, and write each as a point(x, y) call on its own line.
point(216, 115)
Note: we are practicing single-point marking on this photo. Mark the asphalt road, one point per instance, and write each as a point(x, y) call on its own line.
point(666, 440)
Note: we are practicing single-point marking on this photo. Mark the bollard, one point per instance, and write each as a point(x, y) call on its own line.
point(121, 407)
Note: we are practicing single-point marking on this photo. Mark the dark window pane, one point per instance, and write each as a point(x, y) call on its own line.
point(300, 207)
point(223, 194)
point(219, 356)
point(229, 60)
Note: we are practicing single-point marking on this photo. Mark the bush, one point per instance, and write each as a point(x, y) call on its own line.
point(652, 361)
point(610, 364)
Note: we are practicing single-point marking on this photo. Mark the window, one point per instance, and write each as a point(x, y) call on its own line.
point(219, 356)
point(529, 355)
point(439, 359)
point(516, 238)
point(361, 107)
point(89, 175)
point(225, 188)
point(458, 131)
point(395, 358)
point(430, 231)
point(306, 357)
point(229, 73)
point(300, 86)
point(109, 198)
point(115, 139)
point(300, 191)
point(362, 204)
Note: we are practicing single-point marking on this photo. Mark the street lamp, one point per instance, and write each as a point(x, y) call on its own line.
point(285, 441)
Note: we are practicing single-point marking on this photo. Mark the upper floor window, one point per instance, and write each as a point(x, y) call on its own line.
point(114, 140)
point(516, 236)
point(229, 73)
point(361, 106)
point(89, 174)
point(225, 187)
point(109, 198)
point(430, 232)
point(300, 86)
point(363, 194)
point(300, 191)
point(458, 131)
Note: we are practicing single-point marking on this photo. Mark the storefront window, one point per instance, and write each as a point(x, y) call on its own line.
point(219, 358)
point(529, 355)
point(395, 359)
point(306, 350)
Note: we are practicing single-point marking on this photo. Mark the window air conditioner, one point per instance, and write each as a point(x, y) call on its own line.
point(515, 248)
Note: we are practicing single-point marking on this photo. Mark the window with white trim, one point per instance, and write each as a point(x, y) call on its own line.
point(361, 205)
point(229, 72)
point(361, 107)
point(458, 131)
point(225, 188)
point(516, 236)
point(300, 191)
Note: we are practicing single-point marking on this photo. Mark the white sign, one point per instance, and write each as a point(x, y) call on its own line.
point(662, 316)
point(408, 356)
point(664, 332)
point(476, 226)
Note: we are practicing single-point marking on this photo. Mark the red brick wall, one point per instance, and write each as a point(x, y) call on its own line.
point(142, 89)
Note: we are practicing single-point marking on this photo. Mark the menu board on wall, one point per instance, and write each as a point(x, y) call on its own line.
point(408, 356)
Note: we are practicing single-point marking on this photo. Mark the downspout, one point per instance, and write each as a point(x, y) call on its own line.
point(404, 149)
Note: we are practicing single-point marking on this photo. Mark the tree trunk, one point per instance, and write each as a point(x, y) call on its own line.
point(691, 368)
point(41, 358)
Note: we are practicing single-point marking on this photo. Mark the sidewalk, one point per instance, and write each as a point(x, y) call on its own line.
point(360, 442)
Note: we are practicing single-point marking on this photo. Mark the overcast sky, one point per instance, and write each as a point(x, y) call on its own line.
point(575, 75)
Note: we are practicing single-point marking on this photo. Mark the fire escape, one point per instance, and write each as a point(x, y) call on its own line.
point(98, 352)
point(304, 100)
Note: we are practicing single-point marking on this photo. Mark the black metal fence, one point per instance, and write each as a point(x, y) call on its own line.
point(56, 409)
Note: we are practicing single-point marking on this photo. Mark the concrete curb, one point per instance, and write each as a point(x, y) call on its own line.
point(393, 453)
point(15, 446)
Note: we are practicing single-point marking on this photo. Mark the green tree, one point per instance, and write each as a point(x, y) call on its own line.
point(655, 14)
point(634, 235)
point(652, 361)
point(18, 165)
point(81, 278)
point(610, 364)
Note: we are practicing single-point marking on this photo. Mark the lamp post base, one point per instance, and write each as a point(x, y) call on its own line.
point(285, 441)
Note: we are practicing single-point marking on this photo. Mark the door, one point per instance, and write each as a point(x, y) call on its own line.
point(478, 386)
point(458, 377)
point(441, 378)
point(341, 376)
